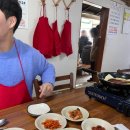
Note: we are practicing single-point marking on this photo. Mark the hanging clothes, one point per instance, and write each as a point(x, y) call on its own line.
point(43, 37)
point(14, 95)
point(57, 38)
point(66, 42)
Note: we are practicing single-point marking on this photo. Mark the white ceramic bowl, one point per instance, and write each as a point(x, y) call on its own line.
point(93, 122)
point(54, 116)
point(15, 128)
point(71, 129)
point(65, 112)
point(38, 109)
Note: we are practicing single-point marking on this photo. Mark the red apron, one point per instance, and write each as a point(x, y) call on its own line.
point(57, 40)
point(14, 95)
point(66, 43)
point(43, 37)
point(56, 37)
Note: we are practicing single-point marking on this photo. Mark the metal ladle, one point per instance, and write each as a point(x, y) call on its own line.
point(3, 122)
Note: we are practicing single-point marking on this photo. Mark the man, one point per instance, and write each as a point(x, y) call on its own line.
point(94, 51)
point(95, 35)
point(19, 63)
point(83, 41)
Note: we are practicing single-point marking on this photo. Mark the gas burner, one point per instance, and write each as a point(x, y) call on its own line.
point(128, 100)
point(119, 92)
point(119, 99)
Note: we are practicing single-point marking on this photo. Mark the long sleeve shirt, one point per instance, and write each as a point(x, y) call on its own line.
point(33, 63)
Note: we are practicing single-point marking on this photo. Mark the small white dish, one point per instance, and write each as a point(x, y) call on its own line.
point(38, 109)
point(71, 129)
point(93, 122)
point(53, 116)
point(65, 112)
point(15, 128)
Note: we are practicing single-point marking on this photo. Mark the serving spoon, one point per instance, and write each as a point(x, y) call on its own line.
point(3, 122)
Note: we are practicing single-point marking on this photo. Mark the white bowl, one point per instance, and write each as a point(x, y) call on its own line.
point(65, 112)
point(15, 128)
point(54, 116)
point(71, 129)
point(38, 109)
point(93, 122)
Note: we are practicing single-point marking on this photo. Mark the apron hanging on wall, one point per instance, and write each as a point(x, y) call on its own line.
point(56, 35)
point(66, 41)
point(43, 36)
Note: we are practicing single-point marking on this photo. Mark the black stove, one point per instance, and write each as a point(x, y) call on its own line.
point(117, 98)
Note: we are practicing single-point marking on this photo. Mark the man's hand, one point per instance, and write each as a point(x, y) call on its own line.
point(46, 90)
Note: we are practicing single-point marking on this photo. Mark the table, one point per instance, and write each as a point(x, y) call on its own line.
point(18, 116)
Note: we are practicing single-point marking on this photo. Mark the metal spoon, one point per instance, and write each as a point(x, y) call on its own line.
point(116, 128)
point(3, 122)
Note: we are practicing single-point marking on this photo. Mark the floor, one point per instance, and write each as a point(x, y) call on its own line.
point(82, 80)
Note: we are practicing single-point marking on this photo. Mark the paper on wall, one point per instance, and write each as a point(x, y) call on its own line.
point(126, 22)
point(114, 20)
point(24, 21)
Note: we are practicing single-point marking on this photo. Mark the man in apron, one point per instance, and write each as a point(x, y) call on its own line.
point(19, 63)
